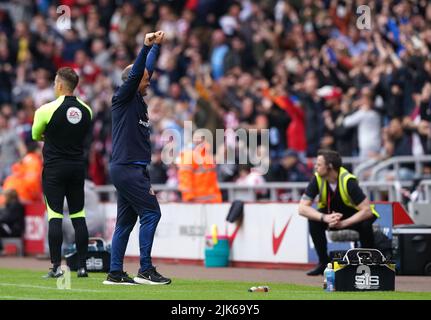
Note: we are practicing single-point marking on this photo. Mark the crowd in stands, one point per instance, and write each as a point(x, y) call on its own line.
point(304, 70)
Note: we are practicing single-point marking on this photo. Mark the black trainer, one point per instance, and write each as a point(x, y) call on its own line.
point(318, 270)
point(119, 278)
point(54, 273)
point(82, 273)
point(151, 276)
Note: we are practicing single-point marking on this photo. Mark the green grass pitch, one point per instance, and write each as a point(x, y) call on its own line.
point(27, 284)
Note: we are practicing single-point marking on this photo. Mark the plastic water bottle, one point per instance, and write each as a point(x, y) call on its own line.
point(259, 289)
point(329, 278)
point(214, 233)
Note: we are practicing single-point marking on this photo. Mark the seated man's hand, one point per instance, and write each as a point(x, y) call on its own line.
point(333, 219)
point(337, 215)
point(341, 224)
point(159, 37)
point(149, 38)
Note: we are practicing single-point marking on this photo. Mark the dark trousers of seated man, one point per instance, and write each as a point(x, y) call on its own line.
point(318, 234)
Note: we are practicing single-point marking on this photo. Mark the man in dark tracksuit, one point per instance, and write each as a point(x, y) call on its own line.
point(342, 205)
point(131, 154)
point(63, 124)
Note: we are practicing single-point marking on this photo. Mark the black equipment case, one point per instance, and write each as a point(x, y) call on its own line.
point(364, 270)
point(98, 257)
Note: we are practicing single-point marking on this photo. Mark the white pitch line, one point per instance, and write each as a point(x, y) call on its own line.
point(19, 298)
point(77, 290)
point(49, 288)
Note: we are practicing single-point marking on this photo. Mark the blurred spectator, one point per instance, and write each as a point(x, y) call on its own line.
point(101, 56)
point(197, 176)
point(6, 73)
point(12, 222)
point(43, 91)
point(26, 175)
point(230, 21)
point(397, 143)
point(238, 56)
point(11, 147)
point(219, 50)
point(295, 133)
point(301, 69)
point(248, 176)
point(313, 106)
point(157, 169)
point(289, 169)
point(227, 167)
point(6, 24)
point(368, 122)
point(345, 138)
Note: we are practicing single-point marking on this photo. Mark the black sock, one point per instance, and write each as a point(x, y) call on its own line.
point(55, 240)
point(81, 239)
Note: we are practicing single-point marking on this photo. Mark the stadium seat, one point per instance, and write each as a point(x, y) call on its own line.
point(345, 235)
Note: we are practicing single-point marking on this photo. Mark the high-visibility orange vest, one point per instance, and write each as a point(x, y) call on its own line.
point(197, 180)
point(15, 181)
point(26, 178)
point(33, 165)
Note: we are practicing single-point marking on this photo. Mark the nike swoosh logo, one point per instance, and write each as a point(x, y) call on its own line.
point(276, 241)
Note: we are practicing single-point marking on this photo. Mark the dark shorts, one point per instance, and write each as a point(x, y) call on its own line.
point(64, 181)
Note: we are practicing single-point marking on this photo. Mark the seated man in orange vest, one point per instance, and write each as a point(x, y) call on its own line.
point(197, 174)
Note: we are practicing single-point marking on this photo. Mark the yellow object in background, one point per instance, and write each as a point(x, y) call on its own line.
point(214, 233)
point(23, 50)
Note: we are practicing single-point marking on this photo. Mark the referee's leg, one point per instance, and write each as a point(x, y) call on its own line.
point(75, 201)
point(54, 192)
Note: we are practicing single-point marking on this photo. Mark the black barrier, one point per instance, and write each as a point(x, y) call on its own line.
point(412, 249)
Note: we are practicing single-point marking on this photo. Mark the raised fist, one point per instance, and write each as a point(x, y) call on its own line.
point(159, 37)
point(149, 38)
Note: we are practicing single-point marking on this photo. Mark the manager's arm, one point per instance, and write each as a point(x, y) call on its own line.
point(150, 64)
point(154, 52)
point(130, 86)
